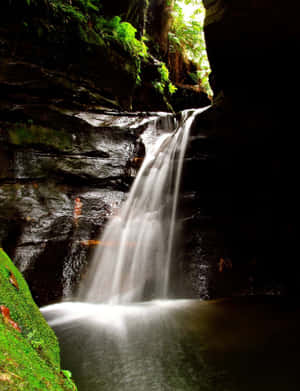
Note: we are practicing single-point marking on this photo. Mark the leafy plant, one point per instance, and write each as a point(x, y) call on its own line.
point(67, 374)
point(164, 72)
point(172, 88)
point(186, 36)
point(123, 32)
point(85, 19)
point(164, 84)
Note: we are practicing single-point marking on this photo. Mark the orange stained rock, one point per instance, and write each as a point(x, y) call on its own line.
point(92, 242)
point(224, 263)
point(77, 209)
point(89, 243)
point(7, 319)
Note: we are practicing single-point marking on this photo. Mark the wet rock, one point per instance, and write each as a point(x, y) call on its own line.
point(37, 226)
point(238, 209)
point(187, 97)
point(240, 196)
point(85, 156)
point(25, 82)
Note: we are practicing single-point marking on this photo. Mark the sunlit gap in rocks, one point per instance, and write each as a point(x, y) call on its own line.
point(134, 260)
point(186, 37)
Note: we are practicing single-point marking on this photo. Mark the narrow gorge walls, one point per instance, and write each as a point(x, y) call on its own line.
point(245, 181)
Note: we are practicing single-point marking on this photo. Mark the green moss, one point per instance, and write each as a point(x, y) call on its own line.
point(29, 360)
point(21, 134)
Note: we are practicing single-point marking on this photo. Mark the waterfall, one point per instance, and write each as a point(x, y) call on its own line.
point(135, 252)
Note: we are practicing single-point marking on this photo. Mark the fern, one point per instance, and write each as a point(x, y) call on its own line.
point(164, 84)
point(124, 33)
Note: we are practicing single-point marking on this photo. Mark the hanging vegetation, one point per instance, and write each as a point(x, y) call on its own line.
point(186, 37)
point(85, 19)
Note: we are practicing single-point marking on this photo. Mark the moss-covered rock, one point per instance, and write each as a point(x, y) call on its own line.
point(23, 134)
point(29, 351)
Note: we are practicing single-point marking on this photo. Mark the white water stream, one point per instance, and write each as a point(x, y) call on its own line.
point(240, 344)
point(135, 252)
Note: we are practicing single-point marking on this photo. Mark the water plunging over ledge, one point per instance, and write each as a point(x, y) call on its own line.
point(239, 344)
point(134, 259)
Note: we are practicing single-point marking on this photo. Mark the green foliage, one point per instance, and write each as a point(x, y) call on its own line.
point(56, 20)
point(164, 72)
point(86, 7)
point(69, 13)
point(85, 15)
point(124, 33)
point(159, 86)
point(67, 374)
point(186, 36)
point(171, 88)
point(164, 84)
point(85, 19)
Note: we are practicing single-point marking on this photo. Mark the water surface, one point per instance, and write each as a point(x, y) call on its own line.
point(181, 345)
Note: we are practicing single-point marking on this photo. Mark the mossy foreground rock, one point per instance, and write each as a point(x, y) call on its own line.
point(29, 351)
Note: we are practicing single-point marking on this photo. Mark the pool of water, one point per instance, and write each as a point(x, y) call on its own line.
point(182, 345)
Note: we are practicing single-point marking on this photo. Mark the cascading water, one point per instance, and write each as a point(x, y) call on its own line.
point(133, 261)
point(167, 345)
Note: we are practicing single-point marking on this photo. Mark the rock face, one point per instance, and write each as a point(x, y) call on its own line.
point(29, 351)
point(251, 50)
point(63, 174)
point(63, 170)
point(54, 52)
point(240, 191)
point(68, 64)
point(241, 166)
point(60, 56)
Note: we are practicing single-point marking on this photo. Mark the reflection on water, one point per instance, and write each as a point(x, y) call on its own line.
point(184, 345)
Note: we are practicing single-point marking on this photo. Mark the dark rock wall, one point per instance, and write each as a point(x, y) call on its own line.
point(72, 63)
point(63, 173)
point(242, 172)
point(251, 48)
point(68, 70)
point(240, 195)
point(58, 60)
point(158, 22)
